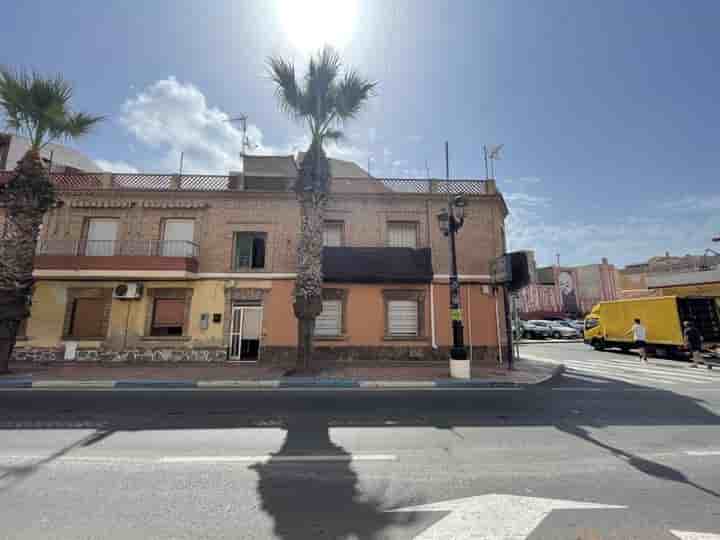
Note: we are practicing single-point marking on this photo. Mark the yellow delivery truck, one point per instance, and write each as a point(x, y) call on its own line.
point(608, 323)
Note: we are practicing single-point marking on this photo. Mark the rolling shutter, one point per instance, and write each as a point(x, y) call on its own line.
point(329, 322)
point(403, 318)
point(169, 312)
point(402, 235)
point(88, 317)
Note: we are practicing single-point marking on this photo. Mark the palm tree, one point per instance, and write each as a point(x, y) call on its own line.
point(326, 98)
point(38, 108)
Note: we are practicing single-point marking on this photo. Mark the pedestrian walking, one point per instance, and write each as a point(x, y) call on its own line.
point(693, 342)
point(637, 330)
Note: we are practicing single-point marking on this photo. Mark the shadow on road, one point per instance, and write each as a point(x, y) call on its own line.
point(645, 466)
point(318, 499)
point(12, 475)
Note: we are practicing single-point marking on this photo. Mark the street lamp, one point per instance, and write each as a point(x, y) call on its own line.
point(451, 221)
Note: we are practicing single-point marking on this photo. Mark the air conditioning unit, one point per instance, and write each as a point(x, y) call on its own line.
point(128, 291)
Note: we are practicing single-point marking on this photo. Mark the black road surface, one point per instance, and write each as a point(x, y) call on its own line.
point(310, 464)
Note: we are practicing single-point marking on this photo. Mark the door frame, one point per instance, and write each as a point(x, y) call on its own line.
point(238, 332)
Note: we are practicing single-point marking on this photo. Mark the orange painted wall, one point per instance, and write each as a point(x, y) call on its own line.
point(478, 314)
point(279, 322)
point(365, 316)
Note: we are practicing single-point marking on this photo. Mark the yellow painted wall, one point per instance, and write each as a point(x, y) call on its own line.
point(47, 317)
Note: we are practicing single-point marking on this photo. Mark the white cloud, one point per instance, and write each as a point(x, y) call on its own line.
point(526, 180)
point(526, 199)
point(691, 203)
point(175, 117)
point(116, 166)
point(539, 225)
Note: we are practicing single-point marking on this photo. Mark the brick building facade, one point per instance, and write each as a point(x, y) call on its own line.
point(214, 257)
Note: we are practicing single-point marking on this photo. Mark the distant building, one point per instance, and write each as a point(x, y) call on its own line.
point(664, 273)
point(64, 159)
point(568, 291)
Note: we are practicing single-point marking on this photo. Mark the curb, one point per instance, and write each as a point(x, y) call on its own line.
point(270, 384)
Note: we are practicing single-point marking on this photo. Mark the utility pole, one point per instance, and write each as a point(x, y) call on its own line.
point(557, 259)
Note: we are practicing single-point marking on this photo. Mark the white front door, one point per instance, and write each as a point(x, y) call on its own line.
point(245, 333)
point(177, 237)
point(101, 237)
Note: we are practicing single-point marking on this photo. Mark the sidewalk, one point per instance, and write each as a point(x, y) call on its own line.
point(68, 376)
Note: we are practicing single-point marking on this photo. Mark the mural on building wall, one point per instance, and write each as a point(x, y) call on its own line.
point(568, 292)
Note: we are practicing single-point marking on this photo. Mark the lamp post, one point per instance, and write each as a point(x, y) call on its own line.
point(451, 221)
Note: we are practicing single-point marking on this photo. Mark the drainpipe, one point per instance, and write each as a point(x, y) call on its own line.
point(432, 316)
point(469, 318)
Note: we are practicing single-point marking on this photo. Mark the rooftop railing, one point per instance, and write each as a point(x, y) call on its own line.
point(214, 183)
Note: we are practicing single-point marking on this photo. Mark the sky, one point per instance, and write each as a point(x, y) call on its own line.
point(608, 111)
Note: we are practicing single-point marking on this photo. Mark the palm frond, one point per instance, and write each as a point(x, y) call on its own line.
point(321, 83)
point(290, 96)
point(353, 92)
point(79, 124)
point(38, 107)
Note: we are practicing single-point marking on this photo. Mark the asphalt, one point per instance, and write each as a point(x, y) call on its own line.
point(301, 464)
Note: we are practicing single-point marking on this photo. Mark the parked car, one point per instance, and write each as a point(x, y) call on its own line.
point(562, 330)
point(533, 330)
point(576, 325)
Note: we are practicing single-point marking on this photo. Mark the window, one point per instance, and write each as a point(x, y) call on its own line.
point(168, 317)
point(249, 250)
point(333, 234)
point(402, 318)
point(178, 236)
point(101, 237)
point(591, 323)
point(87, 318)
point(402, 234)
point(329, 322)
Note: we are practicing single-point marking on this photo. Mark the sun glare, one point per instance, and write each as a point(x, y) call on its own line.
point(310, 24)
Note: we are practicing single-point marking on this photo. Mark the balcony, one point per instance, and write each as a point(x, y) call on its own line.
point(117, 256)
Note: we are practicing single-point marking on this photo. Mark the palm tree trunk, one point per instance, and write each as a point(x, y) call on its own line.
point(311, 188)
point(26, 198)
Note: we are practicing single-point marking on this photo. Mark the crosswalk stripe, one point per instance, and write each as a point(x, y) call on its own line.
point(633, 372)
point(617, 376)
point(651, 372)
point(646, 375)
point(651, 367)
point(646, 369)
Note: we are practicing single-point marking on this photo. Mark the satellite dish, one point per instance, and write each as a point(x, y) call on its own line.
point(495, 151)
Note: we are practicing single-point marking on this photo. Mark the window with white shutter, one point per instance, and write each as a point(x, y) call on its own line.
point(329, 322)
point(402, 317)
point(402, 234)
point(333, 234)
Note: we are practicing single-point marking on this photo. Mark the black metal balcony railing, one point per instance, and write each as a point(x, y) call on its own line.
point(200, 182)
point(108, 248)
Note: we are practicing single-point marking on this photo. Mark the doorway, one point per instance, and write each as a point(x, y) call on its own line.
point(245, 333)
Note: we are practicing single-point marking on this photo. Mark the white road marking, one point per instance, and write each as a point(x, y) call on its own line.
point(265, 458)
point(581, 378)
point(685, 370)
point(493, 517)
point(688, 535)
point(703, 452)
point(616, 373)
point(611, 374)
point(285, 459)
